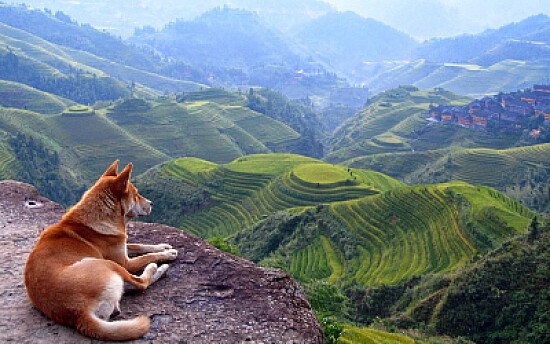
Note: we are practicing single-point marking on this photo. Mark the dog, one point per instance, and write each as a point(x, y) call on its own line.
point(77, 270)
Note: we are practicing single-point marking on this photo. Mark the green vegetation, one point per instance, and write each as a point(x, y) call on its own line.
point(27, 59)
point(271, 183)
point(9, 166)
point(42, 168)
point(521, 173)
point(342, 225)
point(78, 111)
point(209, 124)
point(372, 336)
point(203, 127)
point(221, 244)
point(395, 121)
point(20, 96)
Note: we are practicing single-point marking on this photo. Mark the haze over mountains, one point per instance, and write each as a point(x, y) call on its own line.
point(316, 39)
point(325, 143)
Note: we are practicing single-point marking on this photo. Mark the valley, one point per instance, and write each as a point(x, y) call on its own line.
point(397, 181)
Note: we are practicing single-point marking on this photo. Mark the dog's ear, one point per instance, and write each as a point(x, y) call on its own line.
point(112, 171)
point(121, 181)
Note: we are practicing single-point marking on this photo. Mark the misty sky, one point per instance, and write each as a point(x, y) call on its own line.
point(424, 19)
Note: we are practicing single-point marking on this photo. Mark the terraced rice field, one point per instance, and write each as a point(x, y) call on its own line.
point(311, 262)
point(396, 232)
point(96, 142)
point(357, 335)
point(494, 167)
point(204, 128)
point(9, 168)
point(243, 198)
point(415, 230)
point(481, 166)
point(20, 96)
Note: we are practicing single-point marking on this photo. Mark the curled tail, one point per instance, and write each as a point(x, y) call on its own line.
point(92, 326)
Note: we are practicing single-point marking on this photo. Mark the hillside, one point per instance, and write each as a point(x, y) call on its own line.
point(520, 173)
point(469, 78)
point(396, 121)
point(501, 60)
point(501, 297)
point(16, 95)
point(61, 30)
point(529, 35)
point(319, 220)
point(346, 40)
point(30, 60)
point(222, 38)
point(71, 73)
point(212, 124)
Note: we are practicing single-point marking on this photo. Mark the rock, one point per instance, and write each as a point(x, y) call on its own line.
point(208, 296)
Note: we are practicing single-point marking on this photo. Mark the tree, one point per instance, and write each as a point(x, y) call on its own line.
point(533, 230)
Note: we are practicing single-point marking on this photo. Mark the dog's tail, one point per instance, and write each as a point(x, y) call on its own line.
point(92, 326)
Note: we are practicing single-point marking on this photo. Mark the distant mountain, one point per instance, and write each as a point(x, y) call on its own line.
point(222, 37)
point(60, 29)
point(120, 18)
point(345, 40)
point(526, 40)
point(70, 48)
point(502, 60)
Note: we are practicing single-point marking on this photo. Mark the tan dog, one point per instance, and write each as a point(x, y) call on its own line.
point(76, 272)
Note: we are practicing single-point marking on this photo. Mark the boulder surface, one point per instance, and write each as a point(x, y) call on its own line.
point(208, 296)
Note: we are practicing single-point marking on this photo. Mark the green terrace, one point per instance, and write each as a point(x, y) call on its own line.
point(252, 187)
point(398, 231)
point(410, 231)
point(353, 335)
point(16, 95)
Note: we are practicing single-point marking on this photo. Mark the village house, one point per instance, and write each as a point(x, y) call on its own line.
point(481, 118)
point(447, 115)
point(541, 88)
point(464, 119)
point(512, 104)
point(506, 112)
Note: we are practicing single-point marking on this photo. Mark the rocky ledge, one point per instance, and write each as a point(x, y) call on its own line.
point(208, 296)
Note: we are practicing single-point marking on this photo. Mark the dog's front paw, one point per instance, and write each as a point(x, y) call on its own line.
point(170, 254)
point(161, 271)
point(162, 247)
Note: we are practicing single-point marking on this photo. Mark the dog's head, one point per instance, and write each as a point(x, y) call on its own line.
point(133, 204)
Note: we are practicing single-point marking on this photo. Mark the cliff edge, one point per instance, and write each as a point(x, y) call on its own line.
point(208, 296)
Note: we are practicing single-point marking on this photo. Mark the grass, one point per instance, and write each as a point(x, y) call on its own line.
point(9, 167)
point(253, 186)
point(398, 231)
point(203, 128)
point(358, 335)
point(322, 174)
point(13, 94)
point(395, 121)
point(410, 231)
